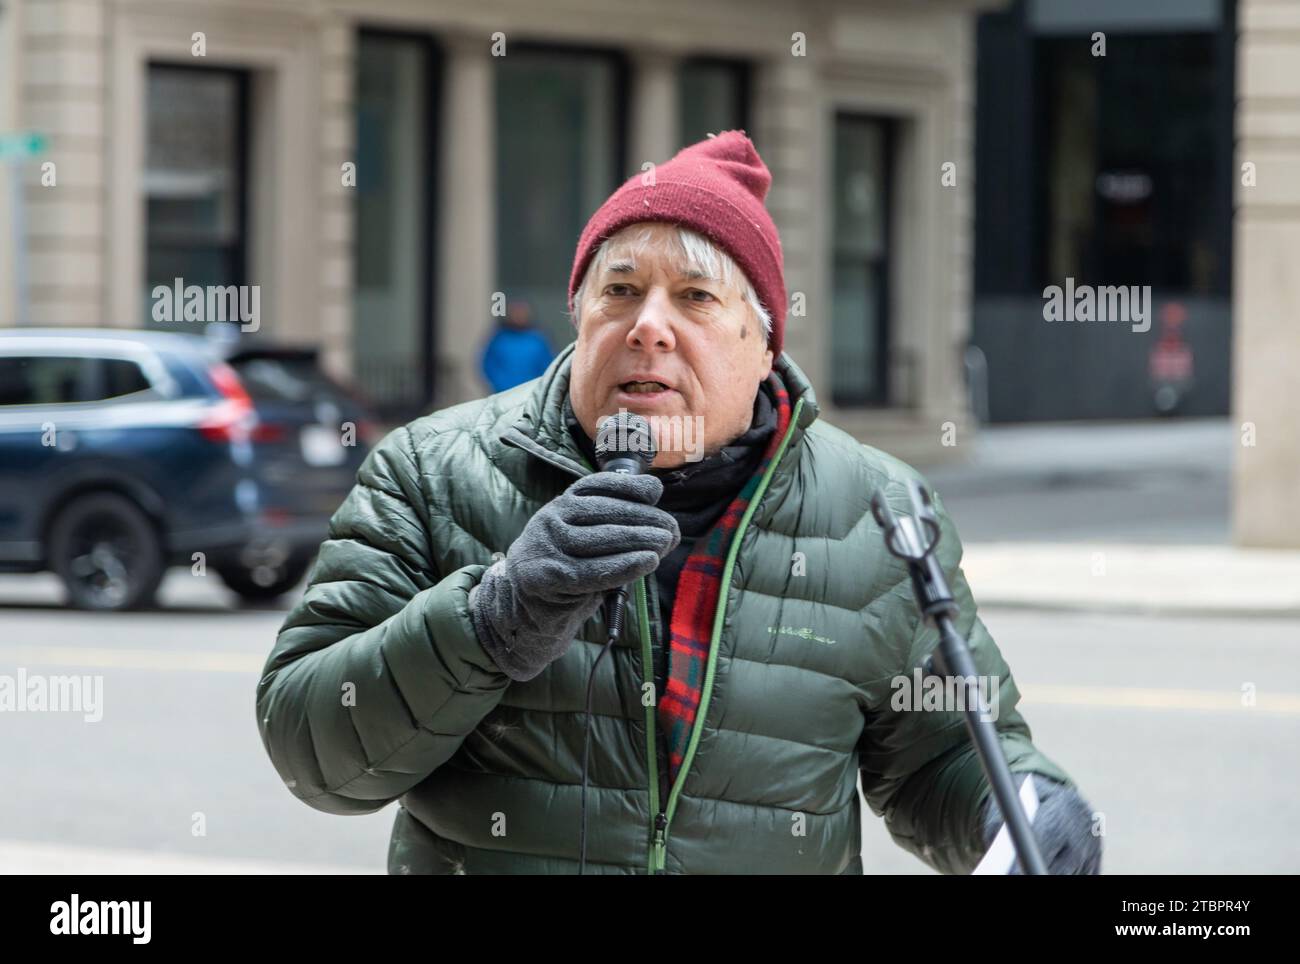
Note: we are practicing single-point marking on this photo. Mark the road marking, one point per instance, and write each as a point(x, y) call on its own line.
point(1285, 704)
point(207, 661)
point(198, 661)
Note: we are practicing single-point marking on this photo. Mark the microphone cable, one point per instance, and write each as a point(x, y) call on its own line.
point(614, 619)
point(624, 444)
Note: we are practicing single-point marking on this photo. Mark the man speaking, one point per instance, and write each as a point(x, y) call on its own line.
point(442, 652)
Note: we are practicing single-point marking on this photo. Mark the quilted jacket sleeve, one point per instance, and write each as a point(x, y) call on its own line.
point(376, 676)
point(919, 768)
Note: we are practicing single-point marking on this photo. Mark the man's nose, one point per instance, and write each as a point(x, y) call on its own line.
point(653, 328)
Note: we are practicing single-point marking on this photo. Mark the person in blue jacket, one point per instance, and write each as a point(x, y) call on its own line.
point(517, 351)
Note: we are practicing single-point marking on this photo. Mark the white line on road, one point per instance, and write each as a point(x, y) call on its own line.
point(198, 661)
point(201, 661)
point(1159, 699)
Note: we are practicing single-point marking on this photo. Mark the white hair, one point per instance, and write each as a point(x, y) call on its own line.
point(693, 250)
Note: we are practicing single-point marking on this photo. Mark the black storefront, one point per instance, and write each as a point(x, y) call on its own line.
point(1104, 154)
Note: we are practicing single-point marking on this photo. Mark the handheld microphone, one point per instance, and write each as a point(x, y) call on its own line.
point(624, 444)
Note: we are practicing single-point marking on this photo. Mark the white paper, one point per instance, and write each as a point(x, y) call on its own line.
point(1001, 856)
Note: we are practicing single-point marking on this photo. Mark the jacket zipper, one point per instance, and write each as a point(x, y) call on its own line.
point(663, 819)
point(659, 823)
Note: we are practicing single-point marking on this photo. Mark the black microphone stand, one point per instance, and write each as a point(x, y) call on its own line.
point(913, 539)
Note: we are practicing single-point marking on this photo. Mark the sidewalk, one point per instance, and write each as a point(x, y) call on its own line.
point(1118, 577)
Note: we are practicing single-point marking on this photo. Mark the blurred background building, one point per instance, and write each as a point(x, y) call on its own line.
point(483, 137)
point(390, 172)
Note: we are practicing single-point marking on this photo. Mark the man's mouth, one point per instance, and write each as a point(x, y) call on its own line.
point(643, 388)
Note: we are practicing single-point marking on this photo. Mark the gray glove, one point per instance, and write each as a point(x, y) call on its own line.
point(603, 532)
point(1062, 824)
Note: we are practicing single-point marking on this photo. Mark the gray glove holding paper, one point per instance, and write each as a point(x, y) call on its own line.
point(1061, 821)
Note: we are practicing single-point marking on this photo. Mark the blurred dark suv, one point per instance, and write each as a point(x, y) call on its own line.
point(123, 452)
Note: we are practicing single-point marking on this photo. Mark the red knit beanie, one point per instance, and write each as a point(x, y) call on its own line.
point(715, 187)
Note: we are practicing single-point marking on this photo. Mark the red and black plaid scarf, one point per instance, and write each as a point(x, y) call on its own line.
point(696, 602)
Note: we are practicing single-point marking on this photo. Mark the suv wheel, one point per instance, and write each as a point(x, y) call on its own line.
point(107, 552)
point(264, 583)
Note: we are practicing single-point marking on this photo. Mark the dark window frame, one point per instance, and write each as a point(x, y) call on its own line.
point(430, 243)
point(1011, 194)
point(243, 153)
point(1045, 51)
point(744, 94)
point(885, 384)
point(618, 58)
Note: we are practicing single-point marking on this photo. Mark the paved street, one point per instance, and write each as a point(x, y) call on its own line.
point(1126, 482)
point(178, 736)
point(1144, 713)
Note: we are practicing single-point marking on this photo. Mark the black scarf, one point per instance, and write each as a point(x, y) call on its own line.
point(697, 493)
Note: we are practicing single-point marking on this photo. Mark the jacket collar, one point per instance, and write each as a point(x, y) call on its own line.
point(540, 429)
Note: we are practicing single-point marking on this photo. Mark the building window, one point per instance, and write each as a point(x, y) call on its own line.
point(392, 331)
point(713, 96)
point(1131, 162)
point(860, 249)
point(1112, 170)
point(195, 180)
point(559, 155)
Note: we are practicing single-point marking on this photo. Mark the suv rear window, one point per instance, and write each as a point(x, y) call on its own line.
point(121, 377)
point(270, 378)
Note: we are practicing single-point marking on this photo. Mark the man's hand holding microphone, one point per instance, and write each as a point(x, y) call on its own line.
point(600, 534)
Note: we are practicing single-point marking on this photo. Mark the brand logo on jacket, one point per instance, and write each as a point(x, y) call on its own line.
point(802, 632)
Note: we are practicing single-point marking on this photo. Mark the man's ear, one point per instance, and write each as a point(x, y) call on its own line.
point(767, 365)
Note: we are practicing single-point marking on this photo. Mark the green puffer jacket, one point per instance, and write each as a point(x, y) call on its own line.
point(378, 690)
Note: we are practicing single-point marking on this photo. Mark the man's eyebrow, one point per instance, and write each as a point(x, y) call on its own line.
point(697, 274)
point(628, 266)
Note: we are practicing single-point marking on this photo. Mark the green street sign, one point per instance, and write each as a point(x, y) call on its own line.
point(24, 144)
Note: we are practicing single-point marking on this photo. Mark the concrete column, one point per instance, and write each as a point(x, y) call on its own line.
point(62, 97)
point(10, 76)
point(337, 133)
point(792, 134)
point(465, 275)
point(1266, 295)
point(654, 122)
